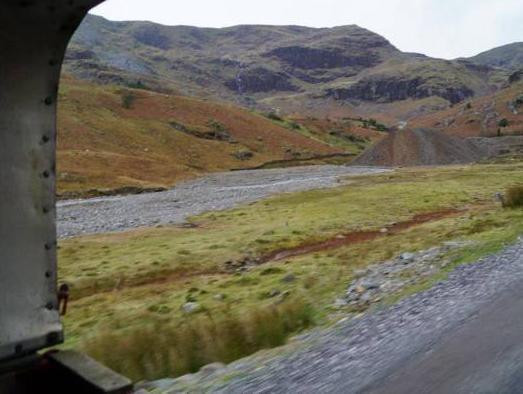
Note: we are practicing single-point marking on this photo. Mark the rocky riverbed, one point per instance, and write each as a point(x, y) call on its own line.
point(210, 193)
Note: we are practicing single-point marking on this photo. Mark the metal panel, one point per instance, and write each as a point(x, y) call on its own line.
point(33, 38)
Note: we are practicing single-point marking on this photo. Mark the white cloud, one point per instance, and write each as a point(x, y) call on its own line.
point(442, 28)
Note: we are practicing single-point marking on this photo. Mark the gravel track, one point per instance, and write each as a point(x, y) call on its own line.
point(210, 193)
point(365, 354)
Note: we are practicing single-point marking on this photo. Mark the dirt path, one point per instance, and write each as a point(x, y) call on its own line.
point(209, 193)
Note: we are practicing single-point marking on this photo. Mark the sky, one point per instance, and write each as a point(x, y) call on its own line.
point(439, 28)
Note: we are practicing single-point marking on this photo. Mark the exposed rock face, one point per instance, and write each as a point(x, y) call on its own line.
point(260, 80)
point(313, 58)
point(386, 90)
point(516, 76)
point(152, 35)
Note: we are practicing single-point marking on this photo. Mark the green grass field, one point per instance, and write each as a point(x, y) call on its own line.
point(128, 288)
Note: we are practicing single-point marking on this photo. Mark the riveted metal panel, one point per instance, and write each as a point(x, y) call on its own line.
point(33, 38)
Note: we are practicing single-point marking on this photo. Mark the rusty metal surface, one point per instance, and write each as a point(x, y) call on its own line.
point(33, 38)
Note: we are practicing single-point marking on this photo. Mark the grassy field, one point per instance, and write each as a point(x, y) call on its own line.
point(128, 289)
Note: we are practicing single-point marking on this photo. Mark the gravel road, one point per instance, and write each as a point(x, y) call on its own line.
point(461, 336)
point(210, 193)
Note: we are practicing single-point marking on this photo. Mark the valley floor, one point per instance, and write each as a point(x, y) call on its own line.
point(164, 301)
point(461, 336)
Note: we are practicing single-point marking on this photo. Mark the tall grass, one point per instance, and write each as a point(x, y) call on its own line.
point(514, 197)
point(167, 350)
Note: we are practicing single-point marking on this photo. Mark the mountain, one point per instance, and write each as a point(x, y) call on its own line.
point(341, 71)
point(482, 116)
point(114, 139)
point(507, 56)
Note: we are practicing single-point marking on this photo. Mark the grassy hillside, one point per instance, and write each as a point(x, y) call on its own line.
point(507, 56)
point(111, 137)
point(483, 116)
point(128, 289)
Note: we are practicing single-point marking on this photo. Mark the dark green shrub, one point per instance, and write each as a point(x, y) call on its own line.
point(503, 122)
point(514, 197)
point(128, 99)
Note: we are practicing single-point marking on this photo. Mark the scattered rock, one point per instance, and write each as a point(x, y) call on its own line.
point(389, 277)
point(407, 256)
point(243, 155)
point(288, 278)
point(191, 307)
point(211, 369)
point(219, 297)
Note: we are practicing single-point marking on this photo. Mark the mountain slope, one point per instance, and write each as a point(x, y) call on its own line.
point(111, 137)
point(507, 56)
point(297, 69)
point(483, 116)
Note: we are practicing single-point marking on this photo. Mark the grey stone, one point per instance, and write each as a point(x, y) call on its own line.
point(407, 256)
point(191, 307)
point(219, 297)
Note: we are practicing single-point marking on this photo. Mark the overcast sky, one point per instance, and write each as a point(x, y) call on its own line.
point(439, 28)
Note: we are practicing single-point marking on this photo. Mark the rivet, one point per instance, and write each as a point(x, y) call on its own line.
point(49, 306)
point(48, 246)
point(46, 174)
point(48, 100)
point(48, 274)
point(45, 139)
point(53, 62)
point(45, 210)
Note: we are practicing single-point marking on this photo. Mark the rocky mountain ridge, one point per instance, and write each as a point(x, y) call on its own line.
point(286, 67)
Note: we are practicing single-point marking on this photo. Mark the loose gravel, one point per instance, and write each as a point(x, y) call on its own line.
point(210, 193)
point(358, 352)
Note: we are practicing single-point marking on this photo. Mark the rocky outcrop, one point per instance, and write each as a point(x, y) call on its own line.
point(312, 58)
point(151, 35)
point(260, 80)
point(515, 77)
point(389, 89)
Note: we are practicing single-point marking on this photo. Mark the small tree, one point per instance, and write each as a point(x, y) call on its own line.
point(128, 99)
point(503, 123)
